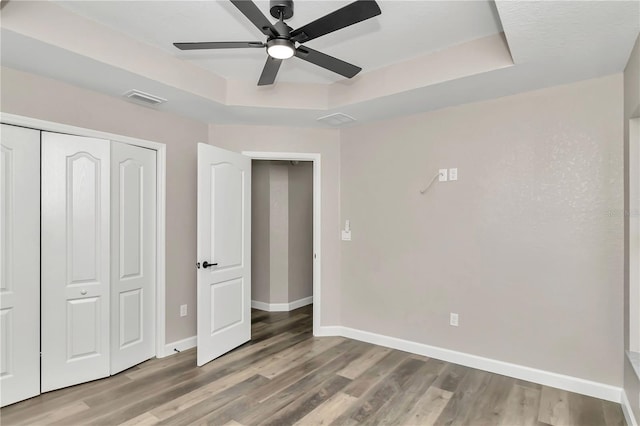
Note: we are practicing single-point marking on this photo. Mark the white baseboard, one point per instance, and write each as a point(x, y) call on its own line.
point(180, 345)
point(260, 305)
point(328, 330)
point(627, 410)
point(547, 378)
point(282, 307)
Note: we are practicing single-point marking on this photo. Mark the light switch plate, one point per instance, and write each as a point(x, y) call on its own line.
point(453, 174)
point(346, 235)
point(183, 310)
point(442, 175)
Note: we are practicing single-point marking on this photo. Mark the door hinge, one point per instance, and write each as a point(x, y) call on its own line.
point(40, 354)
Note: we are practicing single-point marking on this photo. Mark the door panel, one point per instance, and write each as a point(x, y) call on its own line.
point(75, 259)
point(226, 304)
point(226, 209)
point(83, 232)
point(133, 252)
point(224, 239)
point(19, 264)
point(83, 328)
point(131, 315)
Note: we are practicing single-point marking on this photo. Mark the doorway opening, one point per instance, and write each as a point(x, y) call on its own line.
point(286, 232)
point(281, 235)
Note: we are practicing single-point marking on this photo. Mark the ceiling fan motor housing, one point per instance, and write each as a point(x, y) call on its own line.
point(282, 8)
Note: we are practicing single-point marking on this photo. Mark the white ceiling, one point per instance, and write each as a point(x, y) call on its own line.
point(405, 29)
point(417, 56)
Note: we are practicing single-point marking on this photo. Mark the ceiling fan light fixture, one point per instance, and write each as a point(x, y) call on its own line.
point(279, 48)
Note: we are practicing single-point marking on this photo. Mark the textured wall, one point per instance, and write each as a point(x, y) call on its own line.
point(46, 99)
point(524, 246)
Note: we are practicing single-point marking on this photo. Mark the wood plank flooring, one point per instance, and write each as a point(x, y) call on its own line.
point(285, 376)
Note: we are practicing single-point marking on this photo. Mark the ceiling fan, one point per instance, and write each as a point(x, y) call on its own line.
point(282, 39)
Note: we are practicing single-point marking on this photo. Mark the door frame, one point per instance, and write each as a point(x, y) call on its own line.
point(633, 215)
point(161, 201)
point(317, 211)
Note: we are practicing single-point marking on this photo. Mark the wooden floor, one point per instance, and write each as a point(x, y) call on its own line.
point(286, 376)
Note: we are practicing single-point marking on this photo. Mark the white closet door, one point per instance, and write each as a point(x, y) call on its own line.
point(75, 260)
point(19, 265)
point(133, 255)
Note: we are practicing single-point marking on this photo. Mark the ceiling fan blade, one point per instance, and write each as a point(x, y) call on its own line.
point(353, 13)
point(251, 11)
point(218, 45)
point(328, 62)
point(269, 71)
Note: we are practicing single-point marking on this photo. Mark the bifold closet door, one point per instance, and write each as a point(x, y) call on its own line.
point(19, 264)
point(75, 260)
point(133, 255)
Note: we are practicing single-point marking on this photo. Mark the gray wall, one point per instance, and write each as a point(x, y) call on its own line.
point(631, 110)
point(279, 233)
point(260, 216)
point(282, 231)
point(523, 246)
point(46, 99)
point(300, 230)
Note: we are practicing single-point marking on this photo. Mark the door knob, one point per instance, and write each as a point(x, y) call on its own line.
point(207, 264)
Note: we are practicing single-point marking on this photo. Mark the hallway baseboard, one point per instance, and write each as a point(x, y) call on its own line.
point(282, 307)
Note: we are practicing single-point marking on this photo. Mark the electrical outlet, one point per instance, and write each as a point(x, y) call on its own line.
point(183, 310)
point(453, 174)
point(453, 319)
point(442, 175)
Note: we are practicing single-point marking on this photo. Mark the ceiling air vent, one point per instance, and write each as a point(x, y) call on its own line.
point(144, 98)
point(337, 119)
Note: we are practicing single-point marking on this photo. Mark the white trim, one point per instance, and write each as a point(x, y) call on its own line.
point(296, 304)
point(281, 307)
point(547, 378)
point(633, 216)
point(262, 306)
point(180, 345)
point(161, 205)
point(627, 410)
point(317, 222)
point(329, 330)
point(161, 200)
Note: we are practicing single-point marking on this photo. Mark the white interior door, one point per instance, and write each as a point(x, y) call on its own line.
point(75, 260)
point(19, 264)
point(133, 255)
point(224, 240)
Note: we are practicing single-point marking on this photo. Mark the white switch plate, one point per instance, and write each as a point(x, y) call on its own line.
point(453, 319)
point(453, 174)
point(346, 235)
point(183, 310)
point(442, 175)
